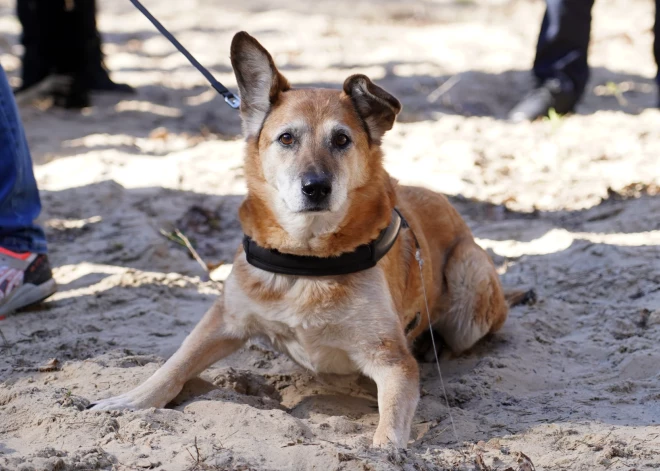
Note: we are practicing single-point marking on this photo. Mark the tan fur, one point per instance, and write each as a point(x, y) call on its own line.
point(339, 324)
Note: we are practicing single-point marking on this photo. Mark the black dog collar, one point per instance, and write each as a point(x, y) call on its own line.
point(364, 257)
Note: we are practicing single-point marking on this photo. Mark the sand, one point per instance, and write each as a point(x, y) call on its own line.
point(567, 206)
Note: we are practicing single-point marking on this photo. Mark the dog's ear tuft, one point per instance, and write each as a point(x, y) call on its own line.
point(377, 108)
point(259, 81)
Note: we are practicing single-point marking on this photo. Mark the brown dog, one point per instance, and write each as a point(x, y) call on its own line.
point(317, 188)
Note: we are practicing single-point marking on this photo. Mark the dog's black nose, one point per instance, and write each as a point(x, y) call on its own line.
point(316, 187)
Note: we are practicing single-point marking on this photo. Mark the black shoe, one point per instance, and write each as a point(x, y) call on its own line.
point(74, 96)
point(66, 91)
point(96, 74)
point(541, 100)
point(101, 82)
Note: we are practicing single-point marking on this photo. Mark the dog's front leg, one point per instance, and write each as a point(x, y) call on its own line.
point(395, 371)
point(206, 344)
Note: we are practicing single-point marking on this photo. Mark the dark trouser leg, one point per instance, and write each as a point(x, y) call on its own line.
point(96, 74)
point(54, 45)
point(561, 52)
point(83, 21)
point(71, 60)
point(61, 38)
point(39, 22)
point(656, 43)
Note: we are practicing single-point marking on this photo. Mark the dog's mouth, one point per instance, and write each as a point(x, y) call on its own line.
point(308, 208)
point(315, 209)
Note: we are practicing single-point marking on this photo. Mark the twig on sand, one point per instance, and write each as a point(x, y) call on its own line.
point(480, 464)
point(5, 344)
point(615, 90)
point(179, 238)
point(192, 250)
point(334, 443)
point(525, 463)
point(301, 443)
point(197, 460)
point(444, 88)
point(169, 236)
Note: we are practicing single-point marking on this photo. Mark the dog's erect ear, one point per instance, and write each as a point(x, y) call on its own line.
point(259, 81)
point(377, 108)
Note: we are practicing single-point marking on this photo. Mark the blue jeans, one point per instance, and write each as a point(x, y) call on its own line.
point(561, 52)
point(19, 196)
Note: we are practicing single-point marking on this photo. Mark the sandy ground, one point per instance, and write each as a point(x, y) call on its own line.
point(569, 206)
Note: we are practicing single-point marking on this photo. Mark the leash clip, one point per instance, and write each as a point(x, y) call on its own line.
point(233, 101)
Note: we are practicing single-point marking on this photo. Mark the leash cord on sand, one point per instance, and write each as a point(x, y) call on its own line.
point(231, 99)
point(420, 262)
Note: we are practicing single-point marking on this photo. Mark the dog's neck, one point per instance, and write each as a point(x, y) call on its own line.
point(366, 214)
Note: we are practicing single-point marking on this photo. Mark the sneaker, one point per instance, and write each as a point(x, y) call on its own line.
point(549, 95)
point(25, 279)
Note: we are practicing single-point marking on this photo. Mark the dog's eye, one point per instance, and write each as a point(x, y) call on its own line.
point(286, 139)
point(340, 140)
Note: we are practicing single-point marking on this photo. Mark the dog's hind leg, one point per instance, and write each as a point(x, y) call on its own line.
point(475, 303)
point(206, 344)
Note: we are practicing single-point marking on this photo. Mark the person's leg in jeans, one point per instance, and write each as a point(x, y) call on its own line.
point(25, 275)
point(560, 66)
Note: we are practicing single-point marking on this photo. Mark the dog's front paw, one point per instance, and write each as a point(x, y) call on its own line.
point(384, 438)
point(148, 394)
point(121, 402)
point(138, 398)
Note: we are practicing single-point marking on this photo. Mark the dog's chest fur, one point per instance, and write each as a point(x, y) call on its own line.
point(316, 321)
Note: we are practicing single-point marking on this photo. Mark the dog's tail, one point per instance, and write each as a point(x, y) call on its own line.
point(516, 297)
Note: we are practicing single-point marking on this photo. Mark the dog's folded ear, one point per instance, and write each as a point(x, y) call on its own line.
point(375, 106)
point(259, 81)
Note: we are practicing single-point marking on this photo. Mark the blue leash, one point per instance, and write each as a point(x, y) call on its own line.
point(231, 99)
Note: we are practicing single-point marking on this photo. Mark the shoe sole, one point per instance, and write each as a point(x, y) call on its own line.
point(27, 295)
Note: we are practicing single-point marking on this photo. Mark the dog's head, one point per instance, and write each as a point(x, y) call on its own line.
point(308, 149)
